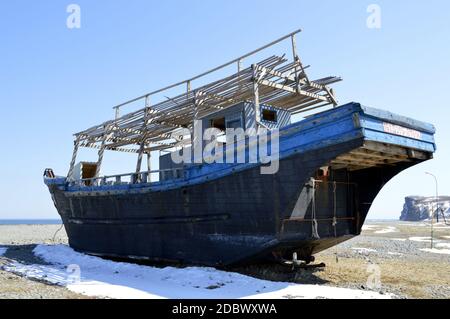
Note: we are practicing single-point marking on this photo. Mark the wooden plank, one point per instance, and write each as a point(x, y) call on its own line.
point(256, 98)
point(373, 154)
point(292, 90)
point(395, 150)
point(354, 159)
point(355, 163)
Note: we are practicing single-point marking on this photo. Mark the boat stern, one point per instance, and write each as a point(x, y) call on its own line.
point(334, 202)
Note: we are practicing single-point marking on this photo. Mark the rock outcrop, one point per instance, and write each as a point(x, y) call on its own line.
point(418, 208)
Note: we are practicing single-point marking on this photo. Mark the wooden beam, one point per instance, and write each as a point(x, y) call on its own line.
point(352, 159)
point(256, 105)
point(372, 154)
point(74, 158)
point(292, 90)
point(149, 166)
point(384, 148)
point(101, 152)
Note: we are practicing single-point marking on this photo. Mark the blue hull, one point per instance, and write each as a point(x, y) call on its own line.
point(331, 168)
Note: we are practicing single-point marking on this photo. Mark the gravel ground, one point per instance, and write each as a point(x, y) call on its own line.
point(20, 242)
point(390, 249)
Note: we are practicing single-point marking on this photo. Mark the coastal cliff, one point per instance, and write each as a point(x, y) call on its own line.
point(417, 208)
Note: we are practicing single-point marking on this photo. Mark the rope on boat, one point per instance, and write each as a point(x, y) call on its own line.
point(335, 217)
point(315, 232)
point(56, 232)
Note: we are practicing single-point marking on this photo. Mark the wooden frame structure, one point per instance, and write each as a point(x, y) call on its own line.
point(275, 81)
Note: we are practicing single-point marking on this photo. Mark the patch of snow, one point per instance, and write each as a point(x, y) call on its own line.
point(364, 250)
point(394, 254)
point(442, 224)
point(424, 239)
point(420, 239)
point(3, 250)
point(398, 239)
point(437, 251)
point(94, 276)
point(316, 291)
point(444, 245)
point(413, 224)
point(380, 229)
point(446, 237)
point(389, 229)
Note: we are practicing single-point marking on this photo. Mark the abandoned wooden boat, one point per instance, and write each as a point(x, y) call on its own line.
point(330, 166)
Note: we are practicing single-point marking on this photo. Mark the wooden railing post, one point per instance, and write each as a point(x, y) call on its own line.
point(74, 158)
point(147, 120)
point(149, 167)
point(256, 97)
point(101, 152)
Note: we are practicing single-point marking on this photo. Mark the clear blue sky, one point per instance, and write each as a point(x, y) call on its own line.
point(55, 81)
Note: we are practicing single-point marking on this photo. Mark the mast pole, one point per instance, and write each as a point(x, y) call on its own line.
point(101, 152)
point(256, 97)
point(74, 158)
point(140, 155)
point(297, 59)
point(197, 133)
point(149, 166)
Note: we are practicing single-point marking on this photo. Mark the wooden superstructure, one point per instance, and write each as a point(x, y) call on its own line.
point(276, 81)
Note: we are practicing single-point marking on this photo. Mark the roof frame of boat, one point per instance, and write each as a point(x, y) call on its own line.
point(276, 81)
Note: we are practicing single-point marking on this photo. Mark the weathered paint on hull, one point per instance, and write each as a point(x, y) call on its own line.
point(241, 217)
point(222, 214)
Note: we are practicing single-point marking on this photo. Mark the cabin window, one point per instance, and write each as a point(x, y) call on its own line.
point(269, 115)
point(218, 123)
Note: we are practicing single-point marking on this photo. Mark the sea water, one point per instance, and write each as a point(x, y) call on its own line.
point(30, 222)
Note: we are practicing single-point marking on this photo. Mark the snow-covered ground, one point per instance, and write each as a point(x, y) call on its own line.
point(380, 229)
point(387, 230)
point(364, 250)
point(440, 248)
point(421, 239)
point(437, 251)
point(413, 224)
point(394, 253)
point(368, 227)
point(94, 276)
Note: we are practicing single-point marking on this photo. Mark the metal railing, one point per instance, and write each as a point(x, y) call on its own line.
point(130, 178)
point(238, 61)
